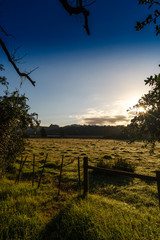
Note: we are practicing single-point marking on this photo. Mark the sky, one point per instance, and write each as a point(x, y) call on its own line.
point(80, 79)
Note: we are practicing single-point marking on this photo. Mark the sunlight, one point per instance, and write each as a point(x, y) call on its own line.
point(140, 109)
point(131, 102)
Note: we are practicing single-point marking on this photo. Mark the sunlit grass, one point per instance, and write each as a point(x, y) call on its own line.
point(25, 210)
point(114, 203)
point(96, 150)
point(101, 218)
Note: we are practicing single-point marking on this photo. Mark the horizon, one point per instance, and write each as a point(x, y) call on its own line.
point(84, 125)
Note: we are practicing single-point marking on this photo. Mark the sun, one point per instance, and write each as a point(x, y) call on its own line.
point(140, 110)
point(132, 102)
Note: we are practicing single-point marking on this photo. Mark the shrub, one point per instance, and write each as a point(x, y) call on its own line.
point(119, 164)
point(14, 120)
point(104, 164)
point(122, 164)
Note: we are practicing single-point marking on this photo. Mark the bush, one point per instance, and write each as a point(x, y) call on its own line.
point(104, 164)
point(119, 164)
point(14, 120)
point(124, 165)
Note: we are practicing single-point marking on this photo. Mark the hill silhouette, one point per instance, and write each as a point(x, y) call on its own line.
point(79, 131)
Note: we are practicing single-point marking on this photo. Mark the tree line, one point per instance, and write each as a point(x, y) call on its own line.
point(80, 131)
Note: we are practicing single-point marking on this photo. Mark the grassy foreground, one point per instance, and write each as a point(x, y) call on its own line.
point(115, 209)
point(28, 214)
point(101, 218)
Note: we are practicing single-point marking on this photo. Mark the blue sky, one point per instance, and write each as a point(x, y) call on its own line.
point(81, 79)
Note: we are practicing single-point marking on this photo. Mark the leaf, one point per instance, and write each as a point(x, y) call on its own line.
point(21, 81)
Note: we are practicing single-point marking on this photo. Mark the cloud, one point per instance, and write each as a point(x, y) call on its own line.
point(106, 120)
point(113, 114)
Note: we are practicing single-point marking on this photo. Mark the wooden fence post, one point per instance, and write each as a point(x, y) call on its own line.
point(60, 176)
point(86, 178)
point(21, 161)
point(20, 169)
point(42, 171)
point(158, 185)
point(17, 178)
point(79, 175)
point(33, 170)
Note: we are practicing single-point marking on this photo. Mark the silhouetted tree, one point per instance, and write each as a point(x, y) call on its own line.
point(14, 120)
point(146, 123)
point(153, 16)
point(43, 132)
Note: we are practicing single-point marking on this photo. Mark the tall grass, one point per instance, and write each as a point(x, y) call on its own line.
point(21, 215)
point(99, 218)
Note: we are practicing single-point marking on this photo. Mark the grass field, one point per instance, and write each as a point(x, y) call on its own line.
point(117, 208)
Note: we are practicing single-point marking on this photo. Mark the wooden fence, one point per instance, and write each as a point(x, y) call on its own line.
point(111, 172)
point(107, 172)
point(22, 163)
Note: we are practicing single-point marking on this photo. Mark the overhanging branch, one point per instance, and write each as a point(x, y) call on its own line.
point(77, 10)
point(10, 59)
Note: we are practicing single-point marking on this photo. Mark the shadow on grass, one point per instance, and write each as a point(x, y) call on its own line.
point(29, 175)
point(101, 181)
point(52, 229)
point(52, 166)
point(68, 185)
point(70, 224)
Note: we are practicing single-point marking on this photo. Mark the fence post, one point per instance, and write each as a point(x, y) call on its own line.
point(20, 169)
point(42, 171)
point(79, 175)
point(60, 177)
point(86, 178)
point(33, 170)
point(158, 185)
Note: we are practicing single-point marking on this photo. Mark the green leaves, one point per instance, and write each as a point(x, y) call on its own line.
point(147, 123)
point(14, 120)
point(149, 2)
point(151, 18)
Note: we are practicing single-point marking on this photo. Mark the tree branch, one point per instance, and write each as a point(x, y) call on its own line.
point(87, 5)
point(21, 74)
point(77, 10)
point(7, 34)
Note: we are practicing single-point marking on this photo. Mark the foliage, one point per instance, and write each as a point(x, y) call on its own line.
point(3, 80)
point(124, 165)
point(104, 164)
point(14, 120)
point(152, 17)
point(147, 122)
point(118, 164)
